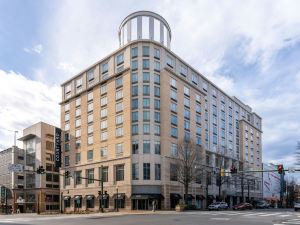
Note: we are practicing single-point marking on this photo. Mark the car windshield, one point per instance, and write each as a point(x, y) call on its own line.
point(297, 202)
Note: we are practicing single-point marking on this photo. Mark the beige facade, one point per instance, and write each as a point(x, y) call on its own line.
point(128, 113)
point(38, 192)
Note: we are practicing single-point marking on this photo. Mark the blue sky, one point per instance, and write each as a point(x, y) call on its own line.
point(251, 49)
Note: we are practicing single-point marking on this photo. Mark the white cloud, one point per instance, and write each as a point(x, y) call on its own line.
point(35, 49)
point(23, 103)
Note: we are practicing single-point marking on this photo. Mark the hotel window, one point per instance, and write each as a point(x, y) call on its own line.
point(90, 155)
point(156, 104)
point(103, 152)
point(186, 114)
point(173, 83)
point(67, 107)
point(135, 147)
point(198, 108)
point(77, 101)
point(146, 90)
point(119, 94)
point(79, 83)
point(187, 125)
point(186, 102)
point(67, 137)
point(119, 148)
point(146, 115)
point(146, 64)
point(67, 146)
point(90, 118)
point(215, 129)
point(195, 78)
point(205, 85)
point(134, 78)
point(90, 75)
point(90, 107)
point(173, 172)
point(156, 129)
point(215, 139)
point(119, 107)
point(104, 136)
point(103, 112)
point(146, 128)
point(198, 130)
point(183, 70)
point(198, 140)
point(78, 175)
point(156, 78)
point(135, 171)
point(146, 171)
point(173, 95)
point(104, 68)
point(135, 116)
point(134, 103)
point(223, 107)
point(103, 101)
point(120, 59)
point(174, 132)
point(68, 90)
point(103, 89)
point(77, 143)
point(103, 173)
point(90, 129)
point(67, 116)
point(146, 50)
point(90, 96)
point(77, 133)
point(156, 91)
point(186, 91)
point(173, 107)
point(157, 148)
point(174, 150)
point(187, 136)
point(198, 98)
point(67, 126)
point(103, 124)
point(157, 66)
point(67, 160)
point(157, 117)
point(146, 77)
point(119, 131)
point(198, 119)
point(174, 120)
point(134, 91)
point(77, 112)
point(146, 147)
point(156, 53)
point(90, 175)
point(119, 172)
point(78, 123)
point(134, 65)
point(119, 82)
point(119, 119)
point(77, 158)
point(146, 103)
point(157, 172)
point(90, 140)
point(170, 61)
point(134, 52)
point(135, 129)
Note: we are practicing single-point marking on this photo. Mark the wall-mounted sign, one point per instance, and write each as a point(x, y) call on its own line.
point(16, 168)
point(57, 147)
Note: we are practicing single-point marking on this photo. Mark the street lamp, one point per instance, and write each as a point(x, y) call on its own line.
point(117, 200)
point(61, 201)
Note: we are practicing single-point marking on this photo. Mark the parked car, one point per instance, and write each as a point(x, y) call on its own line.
point(296, 205)
point(242, 206)
point(218, 206)
point(262, 205)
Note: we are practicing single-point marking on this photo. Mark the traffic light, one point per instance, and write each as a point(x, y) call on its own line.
point(280, 168)
point(40, 170)
point(222, 173)
point(67, 174)
point(233, 169)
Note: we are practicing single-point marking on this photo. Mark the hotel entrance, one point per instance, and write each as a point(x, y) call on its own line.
point(146, 201)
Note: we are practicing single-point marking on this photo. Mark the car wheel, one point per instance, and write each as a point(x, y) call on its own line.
point(296, 209)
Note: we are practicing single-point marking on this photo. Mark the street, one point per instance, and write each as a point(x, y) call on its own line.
point(258, 217)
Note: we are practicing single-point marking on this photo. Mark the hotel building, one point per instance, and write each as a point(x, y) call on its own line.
point(125, 115)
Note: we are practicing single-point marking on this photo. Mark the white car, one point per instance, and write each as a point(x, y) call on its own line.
point(218, 206)
point(297, 205)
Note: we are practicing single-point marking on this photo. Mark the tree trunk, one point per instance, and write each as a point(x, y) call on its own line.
point(186, 190)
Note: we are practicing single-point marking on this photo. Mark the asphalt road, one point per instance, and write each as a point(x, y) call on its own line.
point(257, 217)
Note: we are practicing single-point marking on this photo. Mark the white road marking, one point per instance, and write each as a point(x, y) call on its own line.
point(219, 218)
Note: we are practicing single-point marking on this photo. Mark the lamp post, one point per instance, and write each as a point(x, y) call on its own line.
point(117, 200)
point(61, 201)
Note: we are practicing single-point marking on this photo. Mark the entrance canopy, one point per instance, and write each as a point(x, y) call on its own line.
point(146, 196)
point(90, 197)
point(189, 197)
point(200, 197)
point(176, 196)
point(119, 196)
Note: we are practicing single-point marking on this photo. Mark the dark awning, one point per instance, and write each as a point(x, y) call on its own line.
point(90, 197)
point(67, 197)
point(27, 137)
point(211, 196)
point(188, 196)
point(147, 196)
point(77, 197)
point(200, 197)
point(176, 196)
point(119, 196)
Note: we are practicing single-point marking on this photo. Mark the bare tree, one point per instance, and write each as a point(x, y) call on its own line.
point(188, 164)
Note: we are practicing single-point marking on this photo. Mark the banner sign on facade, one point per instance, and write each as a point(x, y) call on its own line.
point(57, 147)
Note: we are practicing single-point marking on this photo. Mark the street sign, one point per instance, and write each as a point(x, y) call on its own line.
point(16, 168)
point(291, 170)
